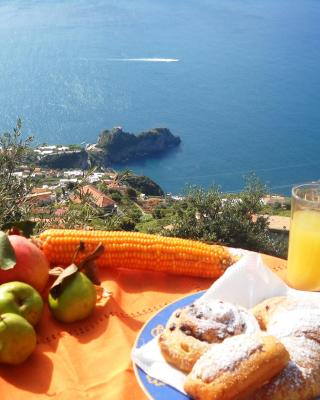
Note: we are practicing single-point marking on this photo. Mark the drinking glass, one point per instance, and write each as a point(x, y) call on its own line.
point(304, 240)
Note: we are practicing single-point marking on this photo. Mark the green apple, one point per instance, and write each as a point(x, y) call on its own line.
point(21, 298)
point(17, 339)
point(76, 301)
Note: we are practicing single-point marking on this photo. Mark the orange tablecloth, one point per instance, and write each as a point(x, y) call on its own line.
point(91, 359)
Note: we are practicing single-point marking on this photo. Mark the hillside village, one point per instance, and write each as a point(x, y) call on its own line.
point(109, 194)
point(103, 189)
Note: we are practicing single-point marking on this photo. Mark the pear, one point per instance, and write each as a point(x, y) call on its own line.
point(76, 299)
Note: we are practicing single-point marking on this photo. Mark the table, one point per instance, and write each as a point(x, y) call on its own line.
point(91, 359)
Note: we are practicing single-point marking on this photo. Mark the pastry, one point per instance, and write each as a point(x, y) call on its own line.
point(296, 322)
point(265, 309)
point(288, 316)
point(191, 331)
point(300, 379)
point(230, 359)
point(236, 368)
point(180, 350)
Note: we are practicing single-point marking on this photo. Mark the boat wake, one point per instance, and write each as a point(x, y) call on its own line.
point(165, 60)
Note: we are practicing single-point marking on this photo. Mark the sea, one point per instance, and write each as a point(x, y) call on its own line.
point(237, 80)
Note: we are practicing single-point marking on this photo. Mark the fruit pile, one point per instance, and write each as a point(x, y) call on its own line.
point(24, 274)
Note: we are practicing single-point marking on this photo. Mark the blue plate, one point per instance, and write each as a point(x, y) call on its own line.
point(153, 388)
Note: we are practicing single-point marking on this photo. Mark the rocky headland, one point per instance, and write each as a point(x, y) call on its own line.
point(114, 147)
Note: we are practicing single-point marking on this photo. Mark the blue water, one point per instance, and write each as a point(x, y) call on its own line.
point(244, 95)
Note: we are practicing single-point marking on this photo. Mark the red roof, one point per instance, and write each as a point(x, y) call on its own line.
point(60, 211)
point(35, 198)
point(99, 198)
point(40, 190)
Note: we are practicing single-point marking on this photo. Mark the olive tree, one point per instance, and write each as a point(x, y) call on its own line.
point(14, 150)
point(231, 219)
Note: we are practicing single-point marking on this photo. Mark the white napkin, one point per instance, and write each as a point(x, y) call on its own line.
point(246, 283)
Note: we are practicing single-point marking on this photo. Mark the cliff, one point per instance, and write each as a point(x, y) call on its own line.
point(68, 160)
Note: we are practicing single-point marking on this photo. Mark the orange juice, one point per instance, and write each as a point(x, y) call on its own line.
point(304, 250)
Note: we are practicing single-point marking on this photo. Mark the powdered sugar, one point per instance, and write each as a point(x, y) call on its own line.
point(295, 322)
point(301, 373)
point(225, 356)
point(222, 319)
point(303, 351)
point(291, 379)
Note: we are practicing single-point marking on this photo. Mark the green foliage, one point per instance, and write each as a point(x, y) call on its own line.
point(277, 205)
point(141, 184)
point(287, 205)
point(151, 225)
point(71, 185)
point(159, 211)
point(116, 196)
point(134, 213)
point(281, 209)
point(75, 147)
point(104, 188)
point(232, 220)
point(13, 152)
point(127, 224)
point(132, 193)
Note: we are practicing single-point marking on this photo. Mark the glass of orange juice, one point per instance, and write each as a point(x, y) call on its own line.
point(304, 241)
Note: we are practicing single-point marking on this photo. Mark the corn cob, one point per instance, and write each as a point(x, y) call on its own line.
point(138, 251)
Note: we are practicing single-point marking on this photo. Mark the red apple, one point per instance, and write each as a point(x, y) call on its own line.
point(31, 267)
